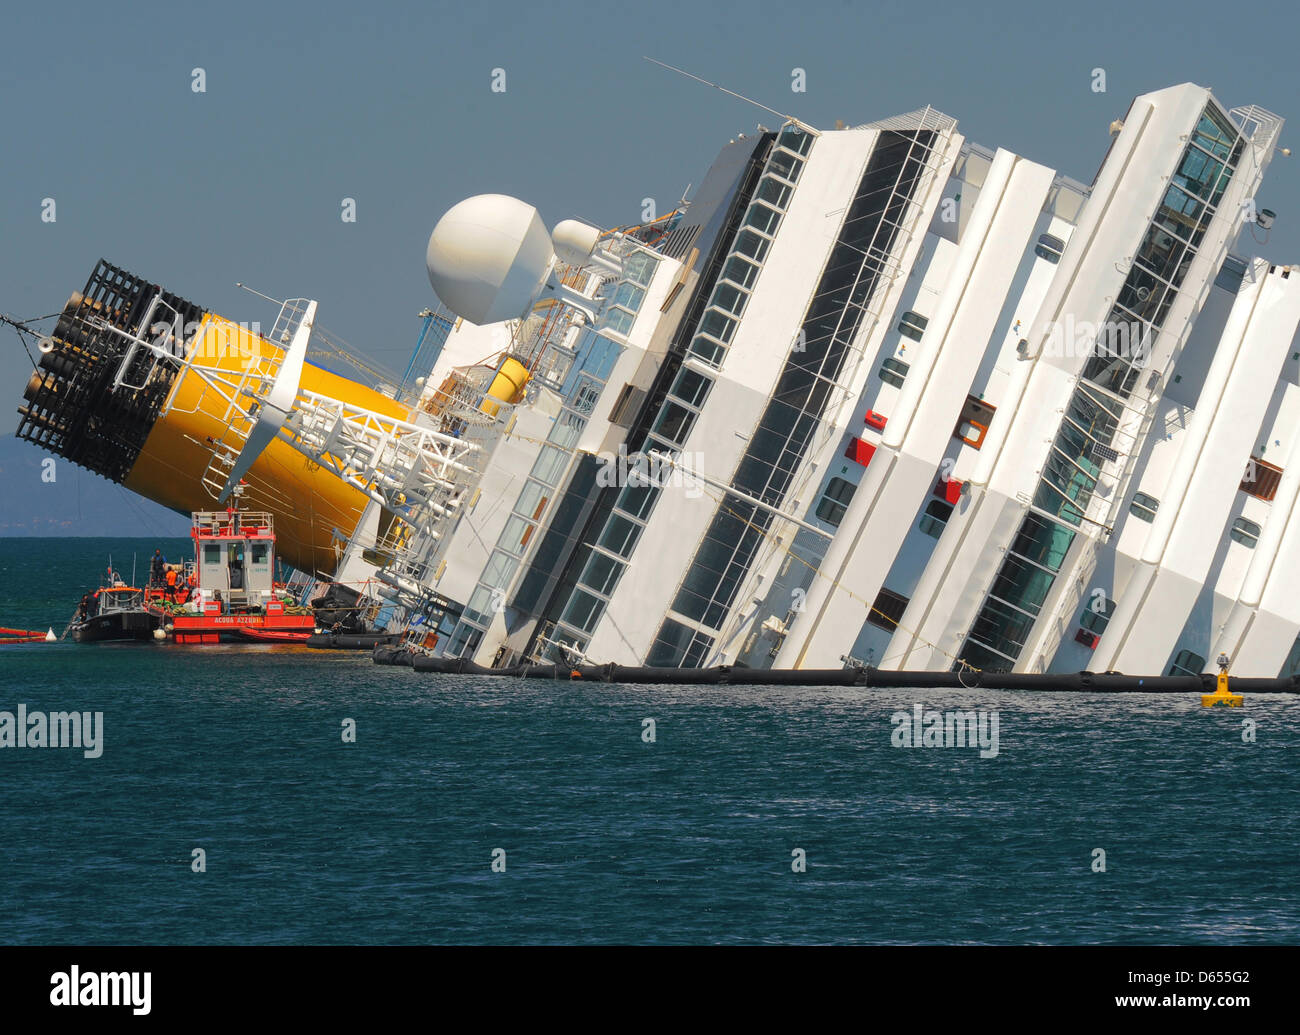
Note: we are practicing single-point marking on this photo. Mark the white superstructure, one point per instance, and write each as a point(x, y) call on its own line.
point(881, 395)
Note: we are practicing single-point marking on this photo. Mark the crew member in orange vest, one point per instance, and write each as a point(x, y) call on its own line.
point(171, 584)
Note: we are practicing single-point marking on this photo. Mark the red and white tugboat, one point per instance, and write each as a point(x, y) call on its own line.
point(230, 592)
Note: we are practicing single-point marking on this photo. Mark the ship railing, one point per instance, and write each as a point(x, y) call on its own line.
point(221, 522)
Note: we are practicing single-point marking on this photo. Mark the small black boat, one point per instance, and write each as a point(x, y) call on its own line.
point(113, 613)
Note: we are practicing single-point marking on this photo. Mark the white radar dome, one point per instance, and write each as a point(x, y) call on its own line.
point(488, 257)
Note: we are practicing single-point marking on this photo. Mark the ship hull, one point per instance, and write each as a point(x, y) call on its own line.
point(122, 625)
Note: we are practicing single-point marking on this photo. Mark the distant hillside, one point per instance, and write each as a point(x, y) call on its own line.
point(75, 503)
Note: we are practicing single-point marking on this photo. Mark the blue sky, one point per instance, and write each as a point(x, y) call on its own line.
point(391, 105)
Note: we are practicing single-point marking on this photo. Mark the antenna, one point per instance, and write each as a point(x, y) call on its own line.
point(750, 100)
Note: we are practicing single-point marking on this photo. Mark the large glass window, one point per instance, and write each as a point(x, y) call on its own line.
point(550, 464)
point(584, 611)
point(601, 573)
point(640, 267)
point(691, 387)
point(620, 535)
point(741, 271)
point(775, 192)
point(674, 422)
point(629, 296)
point(751, 244)
point(763, 218)
point(730, 298)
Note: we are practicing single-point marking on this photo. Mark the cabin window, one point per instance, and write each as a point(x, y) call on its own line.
point(892, 371)
point(1049, 248)
point(1245, 531)
point(1187, 663)
point(1096, 621)
point(259, 553)
point(937, 513)
point(912, 325)
point(835, 501)
point(1144, 507)
point(211, 553)
point(887, 610)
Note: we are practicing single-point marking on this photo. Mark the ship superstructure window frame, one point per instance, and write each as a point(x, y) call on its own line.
point(614, 528)
point(834, 502)
point(629, 292)
point(893, 371)
point(850, 277)
point(912, 325)
point(1070, 476)
point(541, 487)
point(1144, 507)
point(762, 220)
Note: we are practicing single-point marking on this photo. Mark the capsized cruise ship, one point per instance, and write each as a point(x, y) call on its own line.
point(876, 395)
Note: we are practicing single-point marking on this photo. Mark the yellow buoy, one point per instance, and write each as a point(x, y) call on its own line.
point(1222, 695)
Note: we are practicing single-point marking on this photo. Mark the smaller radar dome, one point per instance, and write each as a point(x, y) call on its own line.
point(574, 241)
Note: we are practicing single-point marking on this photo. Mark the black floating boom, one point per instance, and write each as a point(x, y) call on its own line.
point(1068, 682)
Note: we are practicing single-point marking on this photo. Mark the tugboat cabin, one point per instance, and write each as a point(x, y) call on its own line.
point(234, 592)
point(234, 552)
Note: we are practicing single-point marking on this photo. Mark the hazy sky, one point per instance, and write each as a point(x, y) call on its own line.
point(392, 105)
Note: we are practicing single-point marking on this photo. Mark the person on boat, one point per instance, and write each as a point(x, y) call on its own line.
point(87, 602)
point(171, 584)
point(157, 566)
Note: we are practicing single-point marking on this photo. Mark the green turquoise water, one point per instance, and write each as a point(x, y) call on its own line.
point(608, 838)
